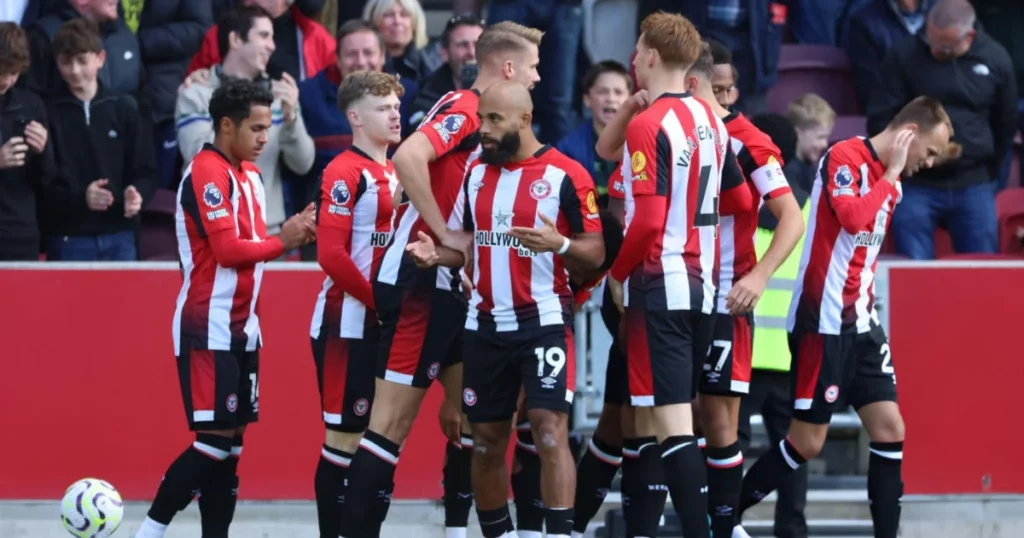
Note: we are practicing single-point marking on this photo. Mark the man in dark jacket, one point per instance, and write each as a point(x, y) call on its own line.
point(169, 33)
point(957, 63)
point(459, 49)
point(106, 166)
point(26, 158)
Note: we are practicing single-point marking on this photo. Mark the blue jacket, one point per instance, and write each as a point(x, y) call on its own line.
point(578, 145)
point(170, 33)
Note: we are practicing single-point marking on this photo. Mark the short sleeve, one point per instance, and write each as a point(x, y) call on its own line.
point(649, 153)
point(616, 189)
point(339, 187)
point(462, 214)
point(211, 188)
point(840, 175)
point(447, 130)
point(578, 201)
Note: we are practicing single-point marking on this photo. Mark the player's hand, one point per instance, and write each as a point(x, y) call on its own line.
point(898, 155)
point(745, 293)
point(299, 230)
point(287, 90)
point(35, 136)
point(459, 241)
point(97, 197)
point(640, 100)
point(199, 76)
point(615, 287)
point(132, 202)
point(451, 421)
point(423, 252)
point(543, 239)
point(12, 153)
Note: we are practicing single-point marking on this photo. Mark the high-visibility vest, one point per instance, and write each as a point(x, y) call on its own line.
point(771, 349)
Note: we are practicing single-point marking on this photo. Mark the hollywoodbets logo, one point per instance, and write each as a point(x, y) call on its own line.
point(502, 240)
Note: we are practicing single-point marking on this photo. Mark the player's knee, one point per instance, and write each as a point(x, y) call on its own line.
point(392, 421)
point(890, 429)
point(550, 431)
point(808, 439)
point(489, 446)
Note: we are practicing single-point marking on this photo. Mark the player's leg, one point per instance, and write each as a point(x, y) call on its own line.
point(820, 371)
point(458, 488)
point(726, 378)
point(667, 350)
point(644, 488)
point(548, 370)
point(873, 395)
point(491, 389)
point(526, 478)
point(209, 386)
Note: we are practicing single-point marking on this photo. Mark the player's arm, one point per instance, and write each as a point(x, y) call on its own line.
point(734, 196)
point(650, 201)
point(583, 253)
point(611, 141)
point(841, 179)
point(771, 185)
point(425, 249)
point(334, 236)
point(617, 195)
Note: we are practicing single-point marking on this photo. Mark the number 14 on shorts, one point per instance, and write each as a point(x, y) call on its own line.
point(553, 357)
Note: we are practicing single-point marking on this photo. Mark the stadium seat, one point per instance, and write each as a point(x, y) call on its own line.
point(849, 127)
point(609, 29)
point(982, 257)
point(1010, 214)
point(819, 69)
point(943, 243)
point(157, 241)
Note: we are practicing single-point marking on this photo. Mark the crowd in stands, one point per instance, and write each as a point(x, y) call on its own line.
point(103, 103)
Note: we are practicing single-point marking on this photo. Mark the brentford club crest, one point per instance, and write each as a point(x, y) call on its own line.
point(433, 370)
point(232, 403)
point(540, 189)
point(469, 396)
point(832, 394)
point(361, 407)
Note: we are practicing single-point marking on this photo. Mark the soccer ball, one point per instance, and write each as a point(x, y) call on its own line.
point(91, 508)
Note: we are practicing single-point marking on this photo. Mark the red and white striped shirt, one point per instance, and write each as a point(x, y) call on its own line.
point(761, 167)
point(217, 305)
point(354, 217)
point(451, 126)
point(674, 149)
point(851, 206)
point(514, 288)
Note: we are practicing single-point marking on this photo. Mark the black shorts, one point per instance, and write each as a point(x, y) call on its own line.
point(420, 332)
point(541, 361)
point(665, 352)
point(345, 375)
point(833, 371)
point(220, 388)
point(616, 376)
point(727, 366)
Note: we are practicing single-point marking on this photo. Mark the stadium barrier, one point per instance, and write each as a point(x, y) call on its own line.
point(89, 385)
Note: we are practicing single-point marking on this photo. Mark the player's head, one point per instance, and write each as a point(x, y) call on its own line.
point(240, 110)
point(724, 75)
point(611, 229)
point(458, 41)
point(78, 48)
point(949, 31)
point(506, 113)
point(925, 116)
point(246, 34)
point(511, 51)
point(813, 119)
point(698, 78)
point(14, 55)
point(668, 42)
point(370, 101)
point(360, 47)
point(605, 87)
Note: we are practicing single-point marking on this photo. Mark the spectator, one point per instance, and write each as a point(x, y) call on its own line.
point(403, 25)
point(106, 167)
point(817, 21)
point(246, 34)
point(1002, 19)
point(605, 87)
point(873, 30)
point(169, 33)
point(121, 73)
point(23, 12)
point(973, 77)
point(360, 48)
point(813, 119)
point(26, 157)
point(309, 8)
point(291, 27)
point(458, 42)
point(562, 24)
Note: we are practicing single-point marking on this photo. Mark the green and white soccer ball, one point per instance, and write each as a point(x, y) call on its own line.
point(91, 508)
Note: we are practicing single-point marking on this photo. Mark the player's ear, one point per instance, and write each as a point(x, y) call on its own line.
point(353, 117)
point(913, 127)
point(507, 70)
point(691, 84)
point(527, 119)
point(227, 126)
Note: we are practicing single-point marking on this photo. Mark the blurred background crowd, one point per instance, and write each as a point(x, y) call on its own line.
point(104, 102)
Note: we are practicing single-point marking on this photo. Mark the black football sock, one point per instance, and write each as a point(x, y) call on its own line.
point(218, 495)
point(649, 489)
point(687, 478)
point(526, 486)
point(371, 479)
point(329, 485)
point(558, 522)
point(702, 443)
point(494, 523)
point(594, 474)
point(630, 468)
point(725, 474)
point(458, 488)
point(885, 487)
point(767, 473)
point(187, 474)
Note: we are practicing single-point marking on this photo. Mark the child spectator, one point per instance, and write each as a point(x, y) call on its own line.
point(106, 167)
point(813, 120)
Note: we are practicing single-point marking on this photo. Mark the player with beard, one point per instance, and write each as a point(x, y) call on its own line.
point(535, 220)
point(353, 225)
point(422, 312)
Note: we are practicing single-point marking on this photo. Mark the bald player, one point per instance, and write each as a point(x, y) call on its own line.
point(534, 219)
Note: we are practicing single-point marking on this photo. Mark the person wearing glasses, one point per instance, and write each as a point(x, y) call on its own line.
point(458, 50)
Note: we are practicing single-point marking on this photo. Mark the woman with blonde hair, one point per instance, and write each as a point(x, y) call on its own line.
point(403, 25)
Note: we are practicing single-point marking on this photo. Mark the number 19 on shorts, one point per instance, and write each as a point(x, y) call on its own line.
point(551, 360)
